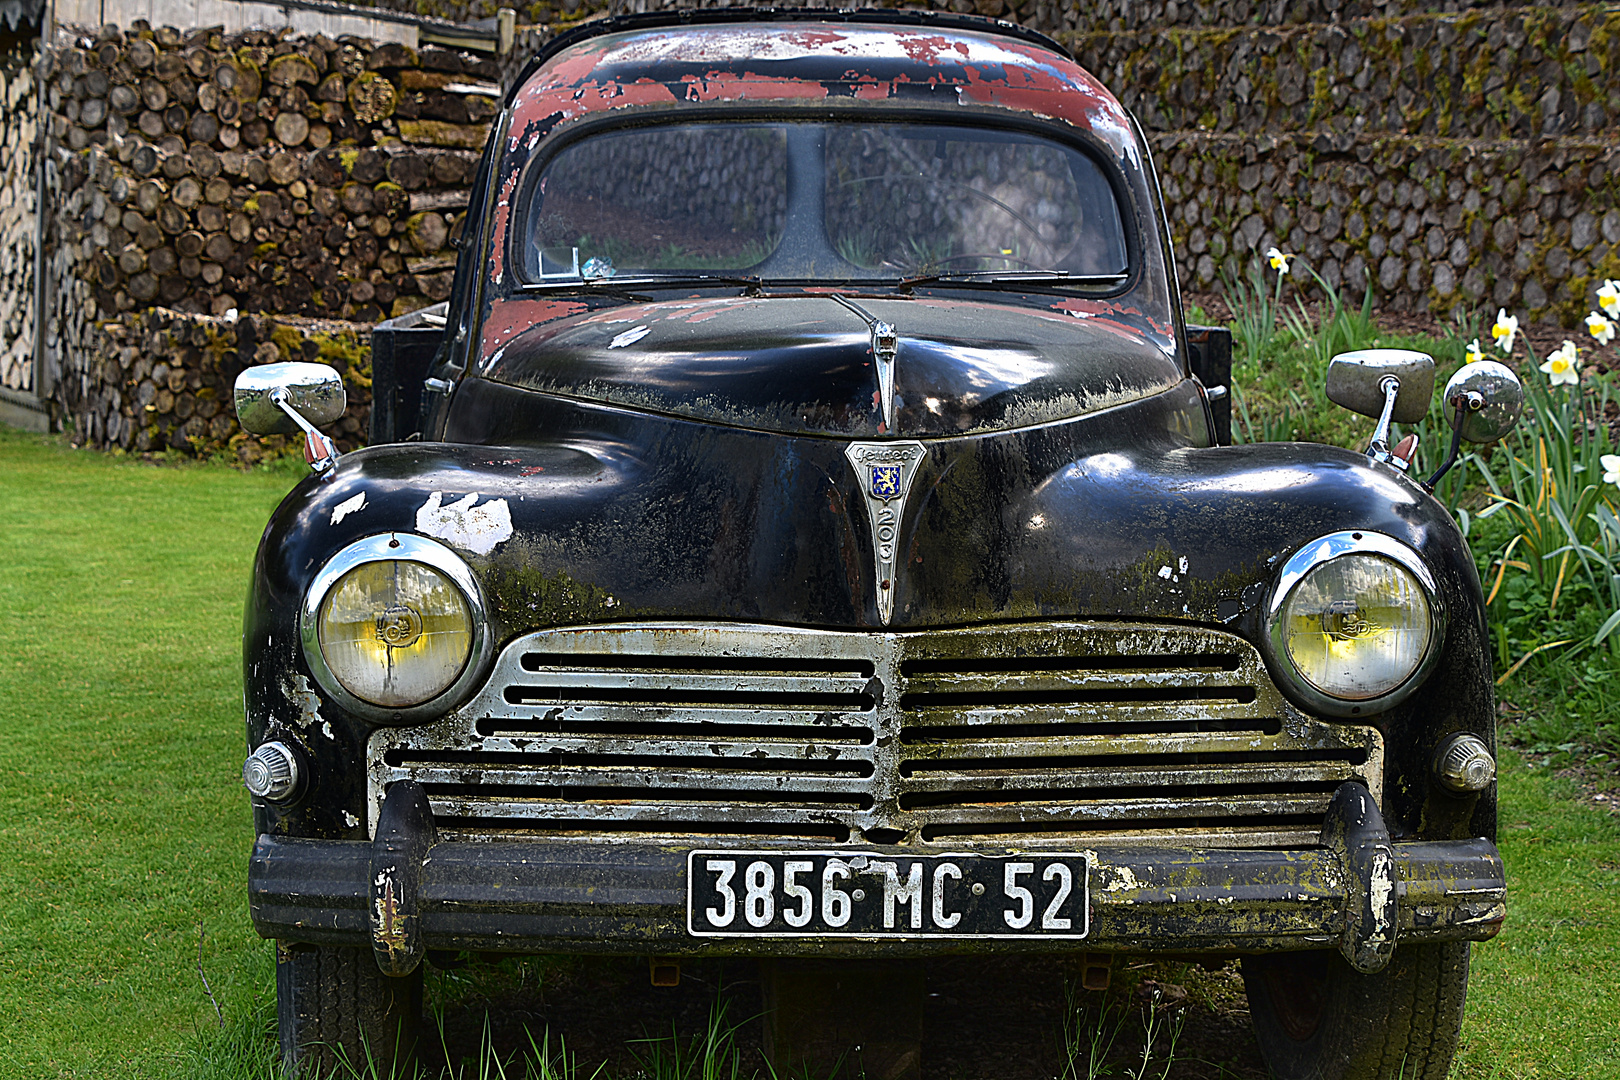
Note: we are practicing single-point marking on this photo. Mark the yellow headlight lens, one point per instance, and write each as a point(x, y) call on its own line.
point(1357, 626)
point(395, 633)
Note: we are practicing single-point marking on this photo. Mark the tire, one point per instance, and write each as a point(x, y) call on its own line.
point(337, 1012)
point(1317, 1018)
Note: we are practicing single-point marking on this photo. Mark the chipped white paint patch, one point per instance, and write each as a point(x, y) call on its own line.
point(350, 820)
point(1164, 572)
point(1182, 566)
point(1123, 880)
point(326, 729)
point(304, 699)
point(1223, 900)
point(630, 337)
point(476, 528)
point(1383, 886)
point(347, 507)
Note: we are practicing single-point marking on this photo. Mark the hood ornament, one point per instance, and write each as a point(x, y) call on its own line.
point(884, 471)
point(885, 347)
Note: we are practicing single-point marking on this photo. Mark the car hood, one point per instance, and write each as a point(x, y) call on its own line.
point(805, 364)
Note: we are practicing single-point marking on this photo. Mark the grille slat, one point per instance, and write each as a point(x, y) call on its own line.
point(637, 781)
point(716, 745)
point(1115, 777)
point(1192, 683)
point(1054, 745)
point(666, 814)
point(1115, 716)
point(1164, 808)
point(561, 717)
point(1029, 734)
point(692, 684)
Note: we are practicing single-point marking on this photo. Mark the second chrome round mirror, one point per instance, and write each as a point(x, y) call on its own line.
point(1490, 397)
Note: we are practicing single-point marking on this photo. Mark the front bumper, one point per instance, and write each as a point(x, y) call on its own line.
point(404, 894)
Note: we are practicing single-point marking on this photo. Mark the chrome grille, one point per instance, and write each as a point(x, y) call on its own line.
point(1022, 734)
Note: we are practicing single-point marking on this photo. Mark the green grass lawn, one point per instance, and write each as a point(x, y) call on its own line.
point(1544, 997)
point(122, 820)
point(123, 824)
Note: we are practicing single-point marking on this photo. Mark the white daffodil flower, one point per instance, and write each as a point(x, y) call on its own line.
point(1608, 298)
point(1278, 260)
point(1474, 355)
point(1600, 328)
point(1611, 468)
point(1562, 367)
point(1505, 330)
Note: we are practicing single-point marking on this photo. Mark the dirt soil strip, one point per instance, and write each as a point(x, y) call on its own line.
point(985, 1019)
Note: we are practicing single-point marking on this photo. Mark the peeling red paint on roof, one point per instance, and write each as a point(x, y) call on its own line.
point(925, 48)
point(503, 214)
point(778, 61)
point(748, 86)
point(815, 38)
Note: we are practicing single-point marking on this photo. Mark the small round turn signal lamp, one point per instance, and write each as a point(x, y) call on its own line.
point(271, 771)
point(1464, 764)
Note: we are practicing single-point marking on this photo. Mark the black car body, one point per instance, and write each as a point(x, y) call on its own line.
point(807, 545)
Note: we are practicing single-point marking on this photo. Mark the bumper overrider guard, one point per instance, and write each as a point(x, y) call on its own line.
point(405, 893)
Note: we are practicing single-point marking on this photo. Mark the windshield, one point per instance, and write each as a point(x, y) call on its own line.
point(830, 201)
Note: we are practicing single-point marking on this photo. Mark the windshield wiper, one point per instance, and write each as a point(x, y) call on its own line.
point(1012, 277)
point(576, 285)
point(618, 284)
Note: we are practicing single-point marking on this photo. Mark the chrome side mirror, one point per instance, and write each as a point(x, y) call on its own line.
point(1355, 380)
point(1484, 401)
point(283, 399)
point(1394, 385)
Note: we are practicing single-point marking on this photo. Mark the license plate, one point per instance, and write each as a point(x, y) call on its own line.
point(869, 894)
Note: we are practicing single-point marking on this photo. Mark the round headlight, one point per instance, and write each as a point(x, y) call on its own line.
point(1354, 621)
point(392, 623)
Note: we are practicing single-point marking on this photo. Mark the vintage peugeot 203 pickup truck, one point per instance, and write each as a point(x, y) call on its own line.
point(808, 533)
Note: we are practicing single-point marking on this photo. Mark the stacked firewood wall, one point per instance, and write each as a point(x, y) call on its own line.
point(18, 222)
point(206, 174)
point(1457, 163)
point(162, 380)
point(248, 171)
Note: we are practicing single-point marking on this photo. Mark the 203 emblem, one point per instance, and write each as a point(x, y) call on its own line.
point(886, 470)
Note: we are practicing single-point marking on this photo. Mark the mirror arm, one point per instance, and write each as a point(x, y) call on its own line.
point(1464, 402)
point(319, 451)
point(1451, 455)
point(1378, 449)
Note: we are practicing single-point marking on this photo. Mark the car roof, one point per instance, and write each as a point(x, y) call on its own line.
point(681, 17)
point(808, 57)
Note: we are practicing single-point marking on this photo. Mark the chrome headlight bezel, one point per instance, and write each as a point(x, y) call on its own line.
point(390, 547)
point(1308, 558)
